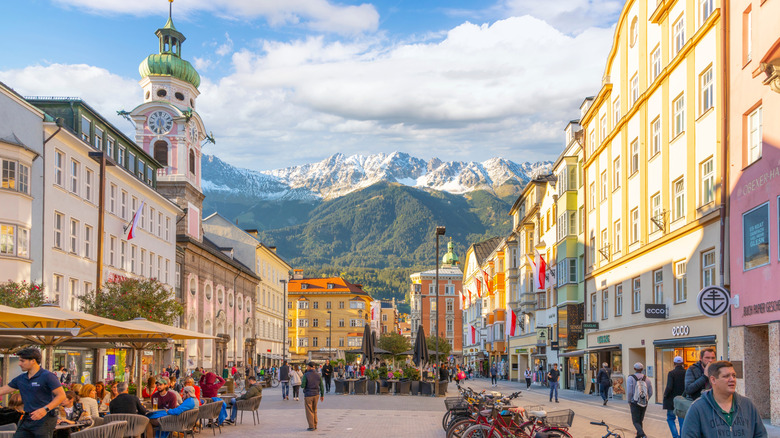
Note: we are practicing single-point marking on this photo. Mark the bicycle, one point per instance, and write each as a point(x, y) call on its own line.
point(610, 433)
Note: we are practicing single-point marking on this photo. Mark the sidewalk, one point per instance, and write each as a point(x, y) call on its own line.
point(589, 408)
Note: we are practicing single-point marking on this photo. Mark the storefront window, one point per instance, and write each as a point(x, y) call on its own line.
point(79, 363)
point(664, 362)
point(755, 229)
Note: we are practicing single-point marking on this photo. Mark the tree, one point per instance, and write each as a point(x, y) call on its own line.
point(394, 343)
point(444, 347)
point(133, 298)
point(22, 294)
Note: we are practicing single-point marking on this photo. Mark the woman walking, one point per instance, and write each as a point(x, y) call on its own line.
point(295, 380)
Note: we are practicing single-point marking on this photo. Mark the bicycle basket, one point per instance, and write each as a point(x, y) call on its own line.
point(560, 418)
point(455, 403)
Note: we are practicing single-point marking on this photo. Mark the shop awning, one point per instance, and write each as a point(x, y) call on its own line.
point(605, 347)
point(572, 353)
point(674, 342)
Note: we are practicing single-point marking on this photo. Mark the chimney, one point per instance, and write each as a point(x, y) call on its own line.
point(251, 232)
point(272, 248)
point(297, 274)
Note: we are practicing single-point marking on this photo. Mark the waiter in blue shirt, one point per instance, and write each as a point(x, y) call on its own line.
point(41, 394)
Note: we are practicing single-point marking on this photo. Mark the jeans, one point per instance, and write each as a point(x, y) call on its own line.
point(673, 427)
point(554, 390)
point(327, 384)
point(637, 417)
point(233, 409)
point(527, 382)
point(493, 380)
point(43, 428)
point(285, 389)
point(604, 390)
point(295, 390)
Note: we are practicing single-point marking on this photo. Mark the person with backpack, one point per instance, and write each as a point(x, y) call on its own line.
point(639, 390)
point(675, 386)
point(604, 380)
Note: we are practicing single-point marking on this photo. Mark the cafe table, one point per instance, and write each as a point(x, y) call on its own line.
point(350, 386)
point(393, 381)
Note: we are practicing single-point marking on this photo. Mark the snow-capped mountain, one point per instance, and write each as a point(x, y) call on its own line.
point(339, 175)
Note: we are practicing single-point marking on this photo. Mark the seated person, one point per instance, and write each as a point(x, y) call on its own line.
point(189, 381)
point(164, 398)
point(254, 390)
point(126, 403)
point(210, 384)
point(171, 388)
point(189, 402)
point(71, 410)
point(149, 389)
point(87, 399)
point(12, 413)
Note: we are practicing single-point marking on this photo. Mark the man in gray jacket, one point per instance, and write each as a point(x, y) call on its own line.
point(638, 384)
point(722, 412)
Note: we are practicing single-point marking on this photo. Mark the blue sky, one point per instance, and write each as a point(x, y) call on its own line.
point(291, 82)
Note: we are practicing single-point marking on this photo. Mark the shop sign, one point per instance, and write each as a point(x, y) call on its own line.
point(521, 351)
point(767, 307)
point(755, 237)
point(681, 330)
point(590, 325)
point(541, 336)
point(657, 311)
point(713, 301)
point(554, 346)
point(603, 339)
point(74, 353)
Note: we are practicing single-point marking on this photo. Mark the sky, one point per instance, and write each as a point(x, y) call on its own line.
point(290, 82)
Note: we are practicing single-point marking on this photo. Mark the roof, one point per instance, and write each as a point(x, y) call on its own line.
point(444, 271)
point(15, 141)
point(483, 249)
point(216, 251)
point(320, 285)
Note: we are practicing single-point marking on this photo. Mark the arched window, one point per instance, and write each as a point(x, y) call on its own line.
point(192, 162)
point(161, 152)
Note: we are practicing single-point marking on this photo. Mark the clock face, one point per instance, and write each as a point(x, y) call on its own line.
point(160, 122)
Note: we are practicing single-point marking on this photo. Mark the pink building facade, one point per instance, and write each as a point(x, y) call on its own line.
point(753, 87)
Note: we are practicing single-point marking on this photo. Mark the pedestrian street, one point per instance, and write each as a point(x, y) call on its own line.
point(417, 416)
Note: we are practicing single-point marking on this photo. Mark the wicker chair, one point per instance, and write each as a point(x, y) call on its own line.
point(426, 388)
point(8, 427)
point(404, 387)
point(136, 424)
point(339, 386)
point(249, 405)
point(384, 387)
point(360, 387)
point(210, 412)
point(110, 430)
point(441, 388)
point(7, 433)
point(182, 423)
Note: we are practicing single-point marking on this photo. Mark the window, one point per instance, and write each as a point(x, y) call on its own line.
point(679, 34)
point(450, 305)
point(85, 129)
point(357, 304)
point(755, 237)
point(58, 279)
point(655, 132)
point(9, 174)
point(167, 228)
point(593, 306)
point(112, 198)
point(111, 250)
point(341, 342)
point(192, 161)
point(603, 128)
point(23, 242)
point(450, 327)
point(74, 291)
point(708, 268)
point(303, 304)
point(605, 304)
point(341, 322)
point(593, 142)
point(354, 342)
point(123, 205)
point(133, 259)
point(327, 304)
point(605, 243)
point(634, 157)
point(658, 286)
point(316, 305)
point(123, 255)
point(634, 89)
point(619, 300)
point(98, 140)
point(7, 239)
point(88, 174)
point(356, 322)
point(679, 199)
point(74, 236)
point(341, 304)
point(706, 91)
point(303, 322)
point(680, 282)
point(705, 8)
point(634, 32)
point(131, 162)
point(616, 173)
point(314, 341)
point(58, 219)
point(679, 115)
point(617, 239)
point(655, 61)
point(657, 211)
point(747, 35)
point(604, 186)
point(120, 156)
point(110, 147)
point(636, 295)
point(23, 179)
point(707, 182)
point(616, 109)
point(59, 160)
point(755, 140)
point(75, 167)
point(303, 342)
point(592, 249)
point(592, 196)
point(635, 225)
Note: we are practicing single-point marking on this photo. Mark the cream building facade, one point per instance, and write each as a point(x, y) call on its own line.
point(652, 173)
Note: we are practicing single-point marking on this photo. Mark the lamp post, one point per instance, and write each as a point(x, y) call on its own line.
point(330, 334)
point(439, 232)
point(285, 325)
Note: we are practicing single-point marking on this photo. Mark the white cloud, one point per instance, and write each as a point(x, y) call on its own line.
point(201, 64)
point(568, 16)
point(318, 15)
point(225, 47)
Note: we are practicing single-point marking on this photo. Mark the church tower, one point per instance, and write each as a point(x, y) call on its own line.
point(168, 127)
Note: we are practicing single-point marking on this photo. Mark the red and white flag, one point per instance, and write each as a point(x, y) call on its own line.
point(463, 299)
point(486, 278)
point(479, 288)
point(134, 221)
point(511, 322)
point(469, 295)
point(540, 271)
point(473, 334)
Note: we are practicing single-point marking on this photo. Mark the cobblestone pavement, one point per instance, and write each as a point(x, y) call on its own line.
point(417, 416)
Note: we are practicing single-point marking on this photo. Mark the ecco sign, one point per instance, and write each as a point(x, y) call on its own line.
point(655, 311)
point(681, 330)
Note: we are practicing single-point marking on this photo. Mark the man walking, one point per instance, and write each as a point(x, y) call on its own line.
point(675, 385)
point(696, 379)
point(493, 375)
point(327, 374)
point(604, 380)
point(638, 392)
point(284, 378)
point(552, 377)
point(723, 412)
point(41, 393)
point(312, 387)
point(528, 376)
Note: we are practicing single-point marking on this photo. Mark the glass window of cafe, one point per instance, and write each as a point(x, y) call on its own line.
point(78, 363)
point(664, 362)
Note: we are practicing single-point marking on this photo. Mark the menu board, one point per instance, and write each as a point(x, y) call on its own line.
point(755, 237)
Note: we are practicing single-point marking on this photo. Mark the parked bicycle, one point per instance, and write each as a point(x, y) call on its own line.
point(610, 433)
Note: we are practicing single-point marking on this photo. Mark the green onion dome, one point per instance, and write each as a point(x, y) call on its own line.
point(167, 64)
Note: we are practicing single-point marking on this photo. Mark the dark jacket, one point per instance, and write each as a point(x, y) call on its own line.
point(126, 404)
point(603, 378)
point(675, 385)
point(327, 371)
point(444, 374)
point(253, 391)
point(312, 384)
point(210, 384)
point(704, 419)
point(695, 380)
point(284, 373)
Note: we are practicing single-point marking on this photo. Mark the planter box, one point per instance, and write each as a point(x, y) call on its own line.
point(415, 387)
point(372, 387)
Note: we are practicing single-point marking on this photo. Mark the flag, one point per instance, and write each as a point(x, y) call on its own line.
point(134, 222)
point(487, 282)
point(479, 288)
point(511, 322)
point(540, 269)
point(463, 299)
point(473, 335)
point(469, 295)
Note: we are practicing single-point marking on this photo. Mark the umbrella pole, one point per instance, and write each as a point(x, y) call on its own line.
point(6, 366)
point(137, 364)
point(49, 358)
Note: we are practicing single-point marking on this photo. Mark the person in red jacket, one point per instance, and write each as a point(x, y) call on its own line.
point(210, 384)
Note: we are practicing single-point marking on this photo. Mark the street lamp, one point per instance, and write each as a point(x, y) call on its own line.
point(285, 325)
point(439, 232)
point(330, 334)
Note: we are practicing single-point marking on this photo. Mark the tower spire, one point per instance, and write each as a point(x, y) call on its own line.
point(170, 9)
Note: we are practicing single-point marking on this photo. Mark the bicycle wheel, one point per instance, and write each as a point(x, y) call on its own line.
point(481, 431)
point(445, 420)
point(456, 417)
point(457, 429)
point(554, 432)
point(274, 382)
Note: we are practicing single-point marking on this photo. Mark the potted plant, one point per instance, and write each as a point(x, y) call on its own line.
point(413, 374)
point(373, 378)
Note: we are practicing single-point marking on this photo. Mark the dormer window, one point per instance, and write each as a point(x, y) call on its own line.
point(330, 285)
point(304, 286)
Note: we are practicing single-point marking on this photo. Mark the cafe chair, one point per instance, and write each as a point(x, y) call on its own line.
point(10, 427)
point(339, 386)
point(182, 423)
point(110, 430)
point(249, 405)
point(404, 387)
point(209, 413)
point(136, 424)
point(361, 387)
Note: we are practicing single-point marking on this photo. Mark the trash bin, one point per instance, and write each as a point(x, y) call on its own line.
point(579, 380)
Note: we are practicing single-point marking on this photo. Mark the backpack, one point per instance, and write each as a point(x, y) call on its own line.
point(640, 391)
